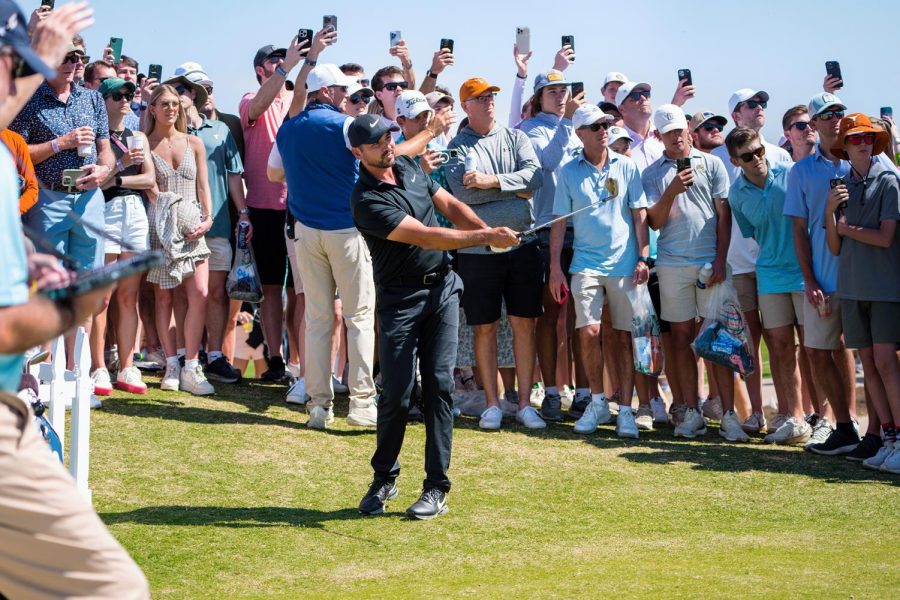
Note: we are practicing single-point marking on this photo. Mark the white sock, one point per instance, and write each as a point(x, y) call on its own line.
point(551, 389)
point(215, 355)
point(181, 352)
point(172, 361)
point(191, 363)
point(598, 397)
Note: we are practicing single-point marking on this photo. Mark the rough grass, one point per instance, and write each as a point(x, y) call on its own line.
point(232, 497)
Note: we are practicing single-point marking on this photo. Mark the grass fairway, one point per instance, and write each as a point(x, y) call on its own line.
point(232, 497)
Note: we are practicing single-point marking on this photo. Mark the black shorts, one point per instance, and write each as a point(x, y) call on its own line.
point(513, 277)
point(653, 287)
point(565, 257)
point(269, 246)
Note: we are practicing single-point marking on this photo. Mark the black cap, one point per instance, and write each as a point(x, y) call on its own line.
point(14, 34)
point(608, 106)
point(368, 129)
point(265, 52)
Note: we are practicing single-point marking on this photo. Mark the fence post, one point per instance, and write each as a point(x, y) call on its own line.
point(79, 448)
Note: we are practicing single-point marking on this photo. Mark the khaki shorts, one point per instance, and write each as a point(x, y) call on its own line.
point(822, 333)
point(745, 286)
point(294, 247)
point(220, 254)
point(780, 310)
point(680, 298)
point(590, 291)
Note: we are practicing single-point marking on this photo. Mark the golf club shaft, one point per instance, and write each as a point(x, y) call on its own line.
point(528, 232)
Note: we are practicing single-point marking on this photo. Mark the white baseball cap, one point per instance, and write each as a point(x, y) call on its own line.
point(628, 87)
point(194, 73)
point(327, 76)
point(412, 103)
point(668, 117)
point(616, 134)
point(744, 94)
point(614, 76)
point(588, 114)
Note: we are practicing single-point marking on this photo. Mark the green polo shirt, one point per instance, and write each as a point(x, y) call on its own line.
point(222, 160)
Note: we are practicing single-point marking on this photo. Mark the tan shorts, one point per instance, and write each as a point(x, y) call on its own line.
point(680, 298)
point(780, 310)
point(52, 543)
point(822, 333)
point(293, 248)
point(220, 253)
point(745, 286)
point(589, 293)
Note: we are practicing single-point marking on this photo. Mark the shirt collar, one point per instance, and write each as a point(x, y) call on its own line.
point(369, 181)
point(611, 157)
point(745, 183)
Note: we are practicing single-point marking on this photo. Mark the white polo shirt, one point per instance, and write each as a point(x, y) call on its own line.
point(644, 150)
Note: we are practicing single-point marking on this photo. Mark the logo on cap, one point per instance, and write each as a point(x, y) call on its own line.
point(829, 98)
point(554, 76)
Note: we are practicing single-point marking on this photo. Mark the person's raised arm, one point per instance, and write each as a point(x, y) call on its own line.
point(401, 51)
point(324, 38)
point(443, 58)
point(416, 145)
point(272, 87)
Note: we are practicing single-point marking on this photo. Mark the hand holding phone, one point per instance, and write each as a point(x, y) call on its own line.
point(887, 112)
point(523, 40)
point(446, 43)
point(115, 44)
point(569, 40)
point(685, 75)
point(329, 21)
point(396, 36)
point(577, 88)
point(833, 69)
point(155, 72)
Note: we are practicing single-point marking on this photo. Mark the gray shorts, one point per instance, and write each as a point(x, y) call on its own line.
point(867, 323)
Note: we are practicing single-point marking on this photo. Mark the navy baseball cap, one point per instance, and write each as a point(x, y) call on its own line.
point(265, 52)
point(368, 129)
point(14, 33)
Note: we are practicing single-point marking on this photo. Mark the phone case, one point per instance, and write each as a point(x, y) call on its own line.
point(115, 45)
point(395, 37)
point(523, 40)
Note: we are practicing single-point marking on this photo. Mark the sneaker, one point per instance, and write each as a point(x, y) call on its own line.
point(891, 462)
point(821, 430)
point(731, 429)
point(221, 370)
point(509, 403)
point(596, 413)
point(362, 413)
point(579, 404)
point(755, 423)
point(297, 392)
point(415, 414)
point(867, 448)
point(537, 393)
point(790, 433)
point(530, 418)
point(194, 381)
point(276, 372)
point(551, 407)
point(566, 395)
point(432, 503)
point(811, 419)
point(644, 418)
point(129, 380)
point(95, 402)
point(835, 444)
point(625, 425)
point(874, 463)
point(377, 496)
point(712, 409)
point(676, 413)
point(319, 417)
point(692, 425)
point(615, 399)
point(172, 378)
point(293, 370)
point(102, 382)
point(658, 406)
point(338, 386)
point(491, 418)
point(152, 361)
point(776, 422)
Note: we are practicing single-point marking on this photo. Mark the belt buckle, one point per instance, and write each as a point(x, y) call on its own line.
point(429, 278)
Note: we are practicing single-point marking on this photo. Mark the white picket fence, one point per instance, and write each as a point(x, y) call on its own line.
point(62, 389)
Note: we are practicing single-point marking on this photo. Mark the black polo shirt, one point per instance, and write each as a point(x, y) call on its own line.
point(379, 207)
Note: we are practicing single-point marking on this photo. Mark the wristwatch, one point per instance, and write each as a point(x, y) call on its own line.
point(309, 62)
point(118, 181)
point(644, 259)
point(431, 74)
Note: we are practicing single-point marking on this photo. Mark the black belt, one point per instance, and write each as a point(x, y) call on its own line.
point(426, 280)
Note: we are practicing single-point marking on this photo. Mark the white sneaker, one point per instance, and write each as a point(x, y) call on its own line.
point(537, 393)
point(730, 428)
point(776, 422)
point(712, 409)
point(644, 418)
point(596, 413)
point(790, 433)
point(891, 462)
point(692, 425)
point(874, 463)
point(102, 382)
point(491, 418)
point(625, 425)
point(172, 378)
point(509, 403)
point(530, 418)
point(677, 412)
point(820, 432)
point(319, 417)
point(129, 380)
point(755, 423)
point(362, 413)
point(658, 406)
point(337, 386)
point(193, 381)
point(297, 392)
point(294, 370)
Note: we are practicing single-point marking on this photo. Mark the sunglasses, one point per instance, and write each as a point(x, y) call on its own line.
point(753, 104)
point(861, 138)
point(363, 82)
point(749, 156)
point(119, 96)
point(208, 88)
point(357, 98)
point(595, 127)
point(710, 127)
point(486, 99)
point(393, 85)
point(636, 96)
point(800, 125)
point(831, 114)
point(18, 66)
point(182, 91)
point(274, 59)
point(72, 59)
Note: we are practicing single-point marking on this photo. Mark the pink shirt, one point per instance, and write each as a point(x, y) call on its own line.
point(259, 137)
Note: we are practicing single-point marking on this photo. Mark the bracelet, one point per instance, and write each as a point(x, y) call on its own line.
point(55, 145)
point(522, 77)
point(119, 166)
point(643, 259)
point(244, 211)
point(280, 70)
point(431, 74)
point(309, 62)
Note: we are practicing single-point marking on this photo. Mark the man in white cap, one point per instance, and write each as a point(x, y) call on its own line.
point(414, 115)
point(619, 141)
point(633, 100)
point(195, 73)
point(690, 210)
point(611, 252)
point(611, 84)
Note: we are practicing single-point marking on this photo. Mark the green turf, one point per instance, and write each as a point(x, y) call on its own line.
point(232, 497)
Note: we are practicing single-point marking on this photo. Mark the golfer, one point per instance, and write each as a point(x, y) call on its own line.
point(394, 205)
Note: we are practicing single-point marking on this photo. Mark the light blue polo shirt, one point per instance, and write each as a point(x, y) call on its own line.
point(605, 241)
point(222, 160)
point(760, 215)
point(14, 274)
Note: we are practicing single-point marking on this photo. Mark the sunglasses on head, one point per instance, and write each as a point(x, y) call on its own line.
point(393, 85)
point(119, 96)
point(749, 156)
point(753, 104)
point(800, 125)
point(595, 127)
point(638, 95)
point(709, 127)
point(861, 138)
point(830, 114)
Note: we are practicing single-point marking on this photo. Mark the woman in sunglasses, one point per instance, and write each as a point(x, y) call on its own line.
point(861, 225)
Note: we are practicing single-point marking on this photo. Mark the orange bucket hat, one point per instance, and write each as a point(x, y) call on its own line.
point(859, 123)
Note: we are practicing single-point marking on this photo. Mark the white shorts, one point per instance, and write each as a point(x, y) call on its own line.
point(679, 297)
point(589, 293)
point(126, 225)
point(220, 254)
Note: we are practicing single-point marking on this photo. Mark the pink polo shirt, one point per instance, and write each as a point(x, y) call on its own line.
point(259, 137)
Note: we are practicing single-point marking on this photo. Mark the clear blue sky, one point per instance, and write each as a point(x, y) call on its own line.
point(783, 48)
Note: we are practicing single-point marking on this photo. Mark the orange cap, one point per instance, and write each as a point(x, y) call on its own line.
point(475, 87)
point(859, 123)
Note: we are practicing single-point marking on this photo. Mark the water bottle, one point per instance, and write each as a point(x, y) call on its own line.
point(243, 229)
point(703, 277)
point(470, 162)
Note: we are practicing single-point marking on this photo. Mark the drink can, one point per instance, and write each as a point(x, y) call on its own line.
point(470, 162)
point(243, 228)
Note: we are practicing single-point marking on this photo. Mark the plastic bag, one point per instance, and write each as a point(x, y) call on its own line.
point(645, 341)
point(724, 337)
point(243, 280)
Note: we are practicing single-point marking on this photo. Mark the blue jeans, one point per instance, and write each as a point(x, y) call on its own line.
point(50, 217)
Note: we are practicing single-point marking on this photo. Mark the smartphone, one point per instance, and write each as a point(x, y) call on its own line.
point(577, 88)
point(70, 176)
point(685, 74)
point(448, 157)
point(563, 293)
point(836, 182)
point(155, 72)
point(48, 3)
point(683, 164)
point(523, 40)
point(329, 21)
point(833, 68)
point(116, 45)
point(305, 34)
point(887, 112)
point(396, 36)
point(569, 40)
point(447, 43)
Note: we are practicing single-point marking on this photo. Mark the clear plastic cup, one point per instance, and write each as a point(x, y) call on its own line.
point(85, 150)
point(135, 141)
point(824, 307)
